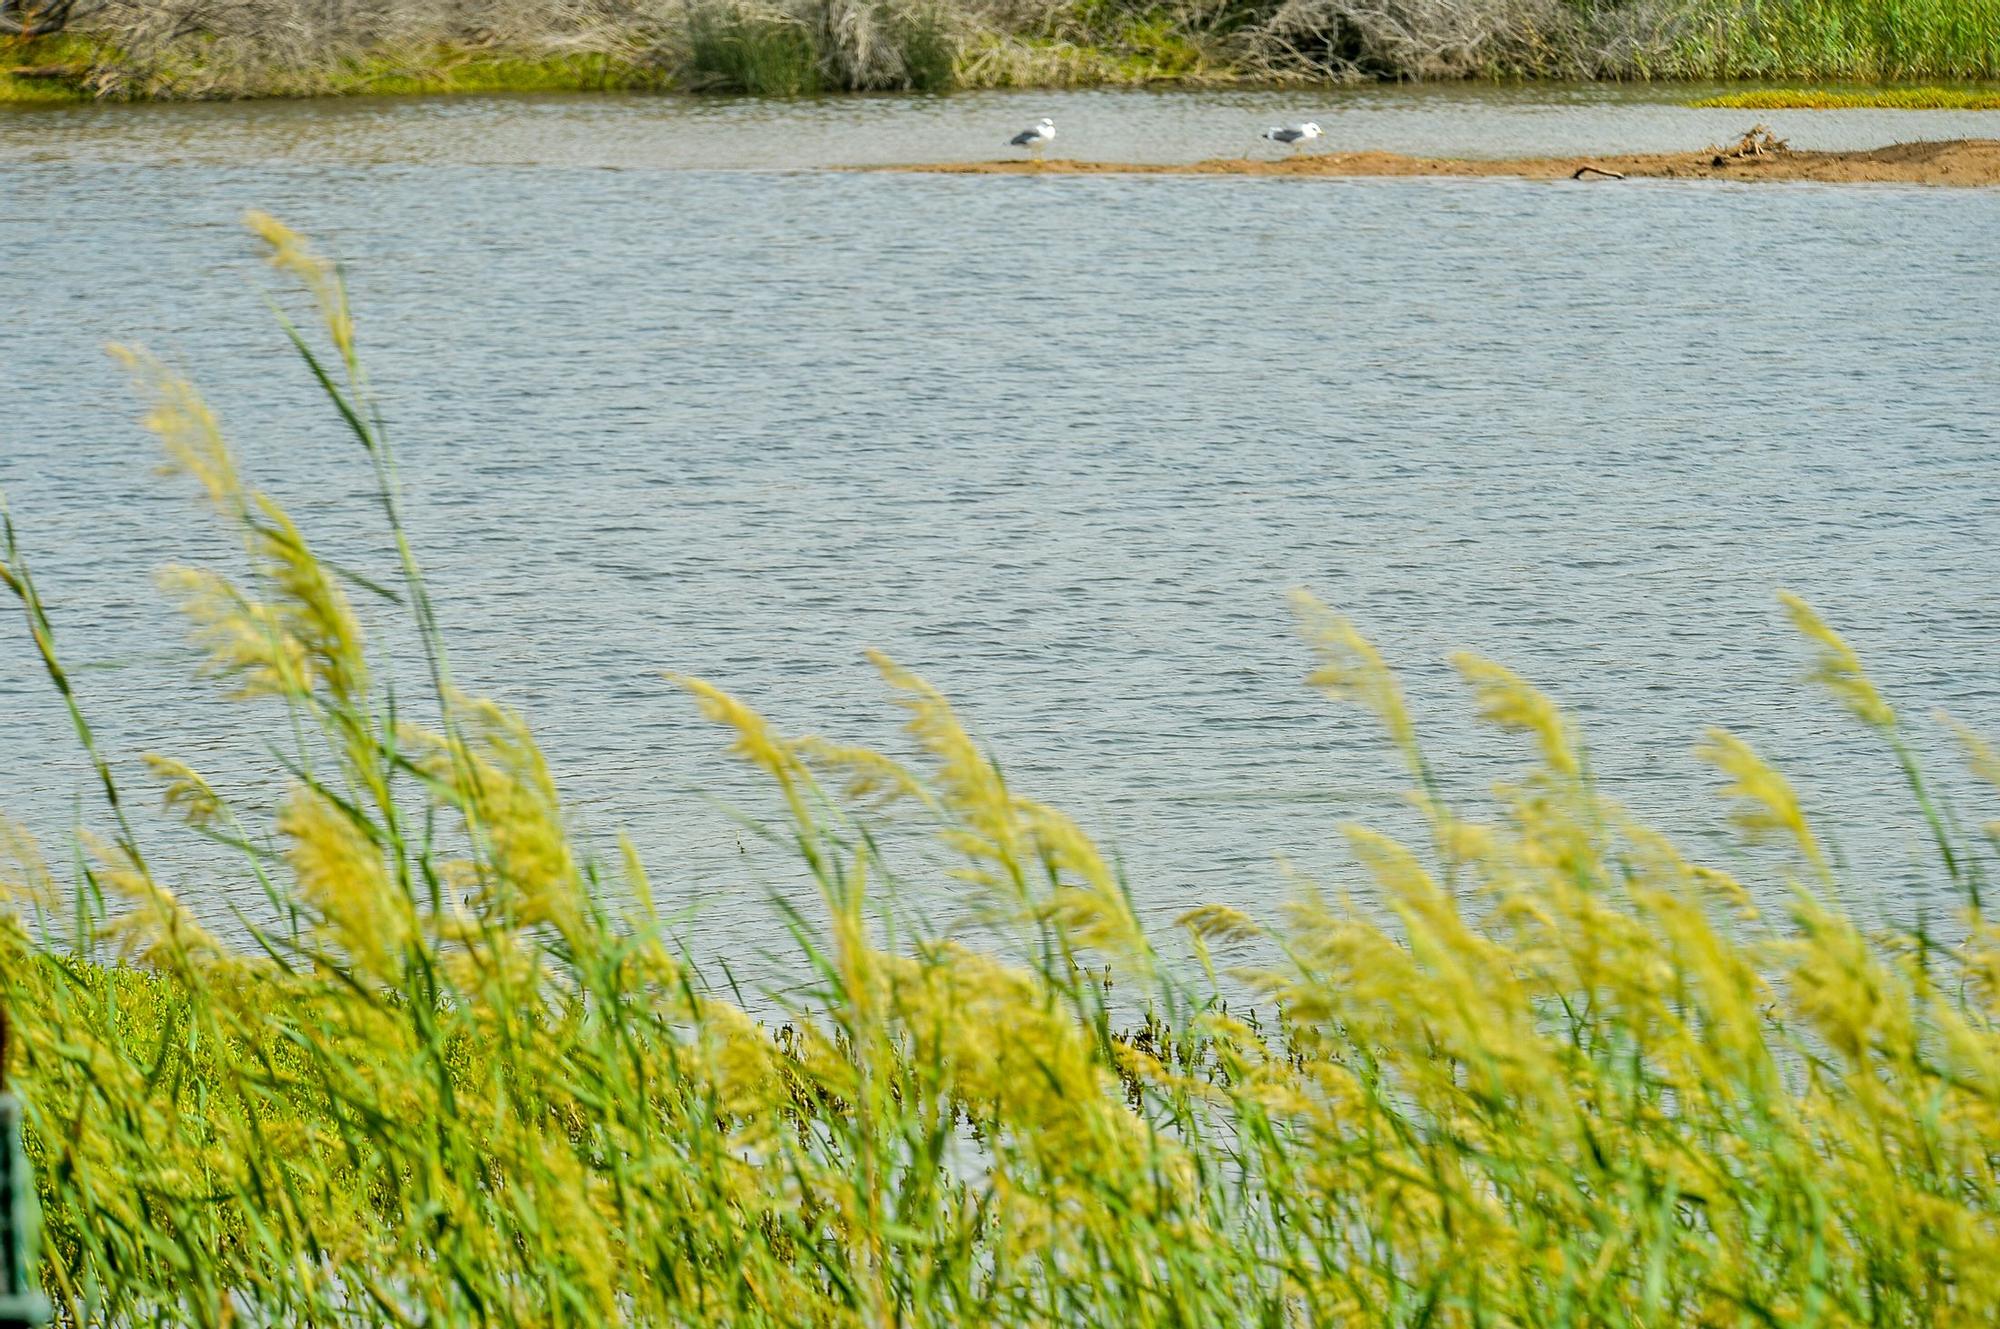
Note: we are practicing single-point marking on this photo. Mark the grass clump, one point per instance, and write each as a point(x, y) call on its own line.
point(1834, 99)
point(40, 90)
point(1558, 1070)
point(761, 53)
point(42, 71)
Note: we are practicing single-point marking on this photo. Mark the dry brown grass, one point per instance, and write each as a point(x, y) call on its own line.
point(226, 48)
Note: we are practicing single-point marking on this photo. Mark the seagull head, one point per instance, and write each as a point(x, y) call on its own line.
point(1309, 129)
point(1045, 124)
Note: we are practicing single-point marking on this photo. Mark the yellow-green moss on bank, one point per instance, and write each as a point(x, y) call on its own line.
point(41, 71)
point(72, 69)
point(1844, 99)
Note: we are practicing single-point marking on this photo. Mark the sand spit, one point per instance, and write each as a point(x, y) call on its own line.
point(1962, 161)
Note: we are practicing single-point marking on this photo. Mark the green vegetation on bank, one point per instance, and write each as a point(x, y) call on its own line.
point(1844, 40)
point(192, 49)
point(70, 69)
point(46, 70)
point(1554, 1070)
point(1835, 99)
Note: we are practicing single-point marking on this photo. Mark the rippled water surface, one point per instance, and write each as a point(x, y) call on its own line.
point(1060, 444)
point(641, 132)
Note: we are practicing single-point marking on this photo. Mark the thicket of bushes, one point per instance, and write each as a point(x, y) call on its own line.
point(1555, 1071)
point(220, 48)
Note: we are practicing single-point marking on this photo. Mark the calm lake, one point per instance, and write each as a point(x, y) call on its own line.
point(1061, 445)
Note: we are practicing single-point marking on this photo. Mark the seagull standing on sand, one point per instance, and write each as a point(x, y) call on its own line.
point(1034, 140)
point(1293, 135)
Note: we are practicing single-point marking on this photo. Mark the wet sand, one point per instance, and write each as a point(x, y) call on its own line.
point(1965, 161)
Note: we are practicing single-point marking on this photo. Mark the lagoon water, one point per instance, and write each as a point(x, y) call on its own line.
point(736, 133)
point(1061, 445)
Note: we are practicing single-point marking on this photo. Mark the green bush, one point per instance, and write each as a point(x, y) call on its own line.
point(928, 40)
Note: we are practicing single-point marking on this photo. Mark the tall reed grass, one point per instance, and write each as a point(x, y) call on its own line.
point(1840, 39)
point(1550, 1069)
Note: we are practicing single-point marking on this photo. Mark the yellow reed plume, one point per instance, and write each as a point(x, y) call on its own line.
point(1220, 923)
point(1982, 967)
point(186, 792)
point(1438, 934)
point(1765, 801)
point(1457, 839)
point(1983, 761)
point(1711, 1005)
point(499, 968)
point(742, 1067)
point(1858, 1004)
point(291, 252)
point(1089, 902)
point(341, 875)
point(1351, 669)
point(315, 610)
point(655, 963)
point(756, 742)
point(24, 873)
point(245, 639)
point(871, 778)
point(305, 631)
point(1979, 754)
point(1002, 834)
point(1510, 702)
point(1210, 925)
point(988, 827)
point(1656, 858)
point(1010, 1049)
point(1837, 668)
point(187, 430)
point(156, 928)
point(494, 774)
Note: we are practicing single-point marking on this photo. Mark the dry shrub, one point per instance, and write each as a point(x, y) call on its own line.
point(1351, 40)
point(223, 48)
point(219, 48)
point(870, 45)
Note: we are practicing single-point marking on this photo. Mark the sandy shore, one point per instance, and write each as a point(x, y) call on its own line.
point(1964, 161)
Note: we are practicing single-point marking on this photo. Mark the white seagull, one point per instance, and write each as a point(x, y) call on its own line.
point(1034, 140)
point(1293, 135)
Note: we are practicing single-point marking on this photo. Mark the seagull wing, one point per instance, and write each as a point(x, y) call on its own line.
point(1025, 137)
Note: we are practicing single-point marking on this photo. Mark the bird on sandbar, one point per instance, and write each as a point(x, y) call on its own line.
point(1293, 135)
point(1036, 138)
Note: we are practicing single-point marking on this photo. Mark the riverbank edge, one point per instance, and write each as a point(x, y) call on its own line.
point(62, 70)
point(66, 75)
point(1967, 163)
